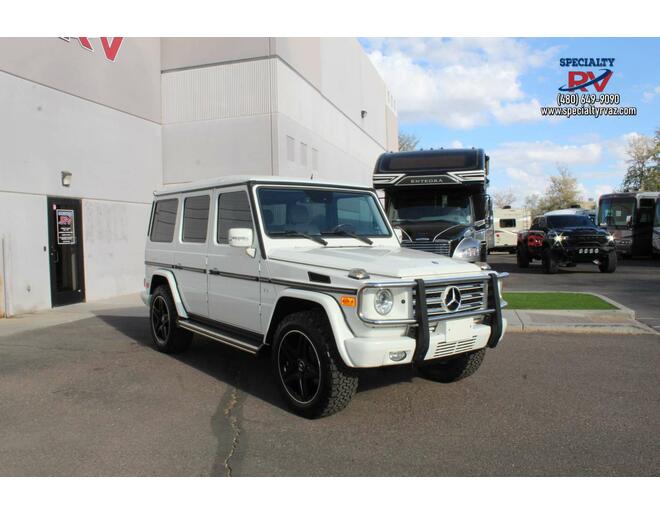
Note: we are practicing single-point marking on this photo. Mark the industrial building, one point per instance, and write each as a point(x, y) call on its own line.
point(90, 127)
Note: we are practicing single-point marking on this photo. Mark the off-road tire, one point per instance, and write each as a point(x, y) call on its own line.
point(522, 256)
point(177, 340)
point(550, 263)
point(337, 383)
point(608, 265)
point(455, 368)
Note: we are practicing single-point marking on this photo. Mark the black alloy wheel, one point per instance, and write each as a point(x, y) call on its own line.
point(299, 366)
point(160, 320)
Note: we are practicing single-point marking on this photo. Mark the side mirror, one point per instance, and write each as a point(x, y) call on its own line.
point(398, 233)
point(240, 237)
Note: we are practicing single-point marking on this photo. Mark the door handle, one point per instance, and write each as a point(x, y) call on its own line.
point(214, 271)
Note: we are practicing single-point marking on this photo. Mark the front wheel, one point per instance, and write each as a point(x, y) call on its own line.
point(455, 368)
point(311, 378)
point(608, 263)
point(550, 262)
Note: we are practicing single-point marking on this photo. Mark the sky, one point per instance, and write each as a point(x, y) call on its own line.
point(487, 93)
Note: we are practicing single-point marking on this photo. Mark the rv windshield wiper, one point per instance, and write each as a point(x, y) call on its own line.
point(364, 239)
point(316, 239)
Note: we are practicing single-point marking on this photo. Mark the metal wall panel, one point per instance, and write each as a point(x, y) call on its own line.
point(218, 92)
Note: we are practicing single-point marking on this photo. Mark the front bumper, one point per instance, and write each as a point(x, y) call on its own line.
point(146, 297)
point(436, 336)
point(581, 253)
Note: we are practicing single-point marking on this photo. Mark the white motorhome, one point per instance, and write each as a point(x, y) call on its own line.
point(507, 222)
point(314, 273)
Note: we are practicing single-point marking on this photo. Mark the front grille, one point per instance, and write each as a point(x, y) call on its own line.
point(440, 246)
point(473, 297)
point(445, 348)
point(582, 240)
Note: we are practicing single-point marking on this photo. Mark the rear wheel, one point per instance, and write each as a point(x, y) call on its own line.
point(522, 256)
point(167, 336)
point(608, 263)
point(311, 378)
point(455, 368)
point(550, 262)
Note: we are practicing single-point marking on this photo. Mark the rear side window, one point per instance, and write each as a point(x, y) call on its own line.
point(508, 223)
point(162, 230)
point(233, 212)
point(195, 219)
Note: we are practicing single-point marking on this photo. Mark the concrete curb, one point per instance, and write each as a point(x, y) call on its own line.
point(620, 321)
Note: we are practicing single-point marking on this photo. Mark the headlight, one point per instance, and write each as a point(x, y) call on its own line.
point(468, 250)
point(610, 238)
point(383, 301)
point(557, 238)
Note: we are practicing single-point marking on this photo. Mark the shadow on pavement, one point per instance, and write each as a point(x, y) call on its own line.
point(240, 370)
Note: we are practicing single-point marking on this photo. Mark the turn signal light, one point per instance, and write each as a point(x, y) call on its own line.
point(348, 301)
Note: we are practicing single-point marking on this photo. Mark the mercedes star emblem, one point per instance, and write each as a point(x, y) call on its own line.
point(451, 298)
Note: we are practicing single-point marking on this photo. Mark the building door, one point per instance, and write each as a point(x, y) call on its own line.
point(67, 277)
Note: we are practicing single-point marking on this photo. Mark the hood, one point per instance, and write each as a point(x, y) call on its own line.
point(580, 231)
point(394, 262)
point(429, 230)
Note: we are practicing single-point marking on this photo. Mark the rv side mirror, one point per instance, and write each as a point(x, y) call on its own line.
point(240, 237)
point(398, 233)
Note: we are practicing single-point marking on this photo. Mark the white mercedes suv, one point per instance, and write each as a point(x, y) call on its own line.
point(314, 273)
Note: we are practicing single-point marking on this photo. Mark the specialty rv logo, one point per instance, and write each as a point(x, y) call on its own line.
point(581, 79)
point(110, 45)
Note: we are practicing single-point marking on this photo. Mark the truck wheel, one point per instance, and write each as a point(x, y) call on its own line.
point(608, 264)
point(522, 256)
point(167, 336)
point(311, 378)
point(550, 263)
point(454, 368)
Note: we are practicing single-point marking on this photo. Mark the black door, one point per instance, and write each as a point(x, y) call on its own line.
point(67, 277)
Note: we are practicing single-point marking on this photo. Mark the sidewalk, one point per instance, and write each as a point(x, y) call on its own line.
point(131, 304)
point(620, 321)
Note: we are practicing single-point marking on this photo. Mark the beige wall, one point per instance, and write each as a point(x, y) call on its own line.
point(130, 84)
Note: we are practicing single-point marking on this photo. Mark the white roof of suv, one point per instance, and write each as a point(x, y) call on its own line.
point(242, 179)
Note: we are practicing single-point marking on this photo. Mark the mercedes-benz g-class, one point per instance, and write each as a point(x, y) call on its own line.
point(314, 273)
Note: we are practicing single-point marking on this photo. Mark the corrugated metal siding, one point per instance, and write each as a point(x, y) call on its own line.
point(217, 92)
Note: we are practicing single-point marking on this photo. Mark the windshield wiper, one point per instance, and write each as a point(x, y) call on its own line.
point(364, 239)
point(316, 239)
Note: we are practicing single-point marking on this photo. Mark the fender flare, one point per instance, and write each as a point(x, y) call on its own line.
point(335, 316)
point(176, 296)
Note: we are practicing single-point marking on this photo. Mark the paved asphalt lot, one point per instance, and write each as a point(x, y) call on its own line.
point(91, 397)
point(635, 283)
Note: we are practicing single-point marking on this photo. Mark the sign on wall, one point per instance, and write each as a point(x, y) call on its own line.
point(110, 45)
point(66, 232)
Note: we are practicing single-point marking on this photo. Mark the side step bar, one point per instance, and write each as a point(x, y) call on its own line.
point(216, 335)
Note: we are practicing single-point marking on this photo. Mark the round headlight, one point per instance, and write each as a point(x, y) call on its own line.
point(383, 301)
point(468, 250)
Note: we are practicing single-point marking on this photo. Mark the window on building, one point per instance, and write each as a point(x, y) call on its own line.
point(233, 212)
point(162, 229)
point(508, 223)
point(290, 148)
point(195, 219)
point(315, 159)
point(303, 154)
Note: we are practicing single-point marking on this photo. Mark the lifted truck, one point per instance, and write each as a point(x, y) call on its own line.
point(566, 240)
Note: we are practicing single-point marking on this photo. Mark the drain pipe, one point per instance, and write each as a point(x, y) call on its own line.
point(4, 306)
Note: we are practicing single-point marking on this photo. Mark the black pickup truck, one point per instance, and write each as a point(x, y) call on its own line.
point(566, 240)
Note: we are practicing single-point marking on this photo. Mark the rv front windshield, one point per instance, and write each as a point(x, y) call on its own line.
point(427, 206)
point(615, 211)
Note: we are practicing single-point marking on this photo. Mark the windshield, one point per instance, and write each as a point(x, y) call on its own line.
point(569, 221)
point(415, 206)
point(300, 212)
point(615, 211)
